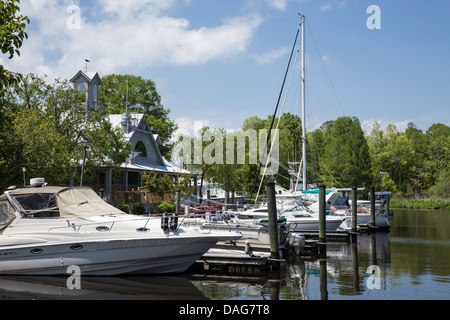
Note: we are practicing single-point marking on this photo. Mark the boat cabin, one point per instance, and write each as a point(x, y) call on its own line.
point(52, 202)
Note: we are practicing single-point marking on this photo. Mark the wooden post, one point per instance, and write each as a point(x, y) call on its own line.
point(208, 197)
point(227, 199)
point(372, 206)
point(273, 223)
point(233, 207)
point(354, 210)
point(174, 219)
point(177, 202)
point(388, 199)
point(322, 215)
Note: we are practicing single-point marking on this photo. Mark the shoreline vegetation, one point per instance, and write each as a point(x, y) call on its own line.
point(425, 204)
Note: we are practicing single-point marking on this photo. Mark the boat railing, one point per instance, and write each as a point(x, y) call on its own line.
point(103, 226)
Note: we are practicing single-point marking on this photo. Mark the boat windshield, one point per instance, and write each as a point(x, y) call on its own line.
point(300, 206)
point(37, 202)
point(6, 213)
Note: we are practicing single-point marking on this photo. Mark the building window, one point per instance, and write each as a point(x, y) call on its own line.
point(140, 147)
point(95, 93)
point(81, 86)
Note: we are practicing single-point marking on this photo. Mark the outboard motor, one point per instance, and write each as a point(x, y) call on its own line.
point(165, 222)
point(174, 222)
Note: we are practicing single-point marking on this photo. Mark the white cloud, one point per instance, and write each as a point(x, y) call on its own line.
point(131, 7)
point(191, 127)
point(333, 4)
point(272, 55)
point(326, 59)
point(278, 4)
point(127, 35)
point(325, 7)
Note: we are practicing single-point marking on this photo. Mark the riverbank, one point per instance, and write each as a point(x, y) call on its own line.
point(427, 204)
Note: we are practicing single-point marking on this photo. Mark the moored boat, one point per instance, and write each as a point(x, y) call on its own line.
point(45, 230)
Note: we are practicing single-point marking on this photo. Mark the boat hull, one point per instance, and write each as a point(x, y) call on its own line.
point(312, 224)
point(106, 257)
point(381, 221)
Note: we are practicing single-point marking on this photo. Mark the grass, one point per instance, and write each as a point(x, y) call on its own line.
point(429, 204)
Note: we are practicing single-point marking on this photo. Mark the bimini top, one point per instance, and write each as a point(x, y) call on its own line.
point(61, 202)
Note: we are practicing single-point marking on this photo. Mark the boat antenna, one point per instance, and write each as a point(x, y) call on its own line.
point(276, 111)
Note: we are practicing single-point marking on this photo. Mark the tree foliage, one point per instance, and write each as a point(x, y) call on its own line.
point(345, 159)
point(162, 184)
point(46, 123)
point(12, 35)
point(122, 93)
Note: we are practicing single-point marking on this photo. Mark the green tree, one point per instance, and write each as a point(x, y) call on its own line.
point(438, 151)
point(122, 93)
point(346, 158)
point(441, 189)
point(159, 184)
point(43, 149)
point(314, 153)
point(11, 161)
point(12, 35)
point(59, 102)
point(48, 121)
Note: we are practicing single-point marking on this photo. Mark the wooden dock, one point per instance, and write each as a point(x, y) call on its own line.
point(233, 262)
point(332, 236)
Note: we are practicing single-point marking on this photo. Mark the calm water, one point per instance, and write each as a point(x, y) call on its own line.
point(411, 262)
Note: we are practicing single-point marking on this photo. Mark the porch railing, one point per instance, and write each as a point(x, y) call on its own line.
point(137, 195)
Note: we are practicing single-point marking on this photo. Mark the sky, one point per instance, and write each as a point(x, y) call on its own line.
point(219, 62)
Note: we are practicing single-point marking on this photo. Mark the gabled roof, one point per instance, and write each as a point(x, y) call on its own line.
point(90, 77)
point(138, 121)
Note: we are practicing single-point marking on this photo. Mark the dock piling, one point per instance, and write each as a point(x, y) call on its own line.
point(227, 200)
point(322, 215)
point(354, 212)
point(322, 222)
point(177, 202)
point(273, 224)
point(372, 206)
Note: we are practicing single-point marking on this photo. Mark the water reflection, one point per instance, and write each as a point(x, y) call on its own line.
point(413, 261)
point(99, 288)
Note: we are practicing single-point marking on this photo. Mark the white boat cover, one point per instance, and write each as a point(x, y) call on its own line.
point(83, 202)
point(56, 202)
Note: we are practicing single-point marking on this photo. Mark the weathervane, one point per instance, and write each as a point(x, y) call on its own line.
point(87, 61)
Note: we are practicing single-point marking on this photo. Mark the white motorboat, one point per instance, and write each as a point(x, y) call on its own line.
point(46, 230)
point(364, 219)
point(343, 207)
point(299, 217)
point(302, 218)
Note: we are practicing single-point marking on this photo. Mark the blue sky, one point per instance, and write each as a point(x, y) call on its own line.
point(219, 62)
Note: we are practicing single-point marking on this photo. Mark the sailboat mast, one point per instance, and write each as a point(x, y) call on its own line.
point(303, 103)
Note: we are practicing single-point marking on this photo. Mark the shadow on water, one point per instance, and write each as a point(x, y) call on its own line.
point(99, 288)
